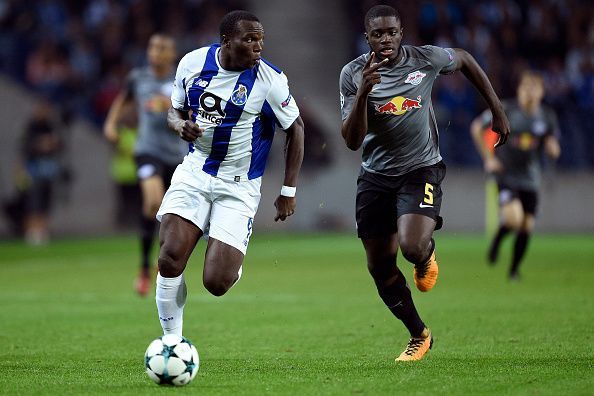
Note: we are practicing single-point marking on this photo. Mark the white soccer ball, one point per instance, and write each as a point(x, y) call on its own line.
point(171, 359)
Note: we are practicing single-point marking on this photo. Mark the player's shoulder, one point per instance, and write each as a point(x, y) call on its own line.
point(270, 73)
point(423, 51)
point(355, 65)
point(196, 58)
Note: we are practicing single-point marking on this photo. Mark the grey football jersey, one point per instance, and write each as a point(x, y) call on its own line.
point(154, 136)
point(521, 155)
point(402, 132)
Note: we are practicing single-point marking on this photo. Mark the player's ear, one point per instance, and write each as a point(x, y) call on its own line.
point(366, 37)
point(225, 42)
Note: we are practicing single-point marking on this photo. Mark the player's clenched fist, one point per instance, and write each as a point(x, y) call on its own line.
point(188, 130)
point(370, 76)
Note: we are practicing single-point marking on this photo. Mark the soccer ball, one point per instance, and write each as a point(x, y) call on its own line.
point(171, 359)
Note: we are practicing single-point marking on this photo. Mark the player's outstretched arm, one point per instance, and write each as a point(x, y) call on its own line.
point(179, 121)
point(285, 205)
point(354, 127)
point(471, 69)
point(110, 127)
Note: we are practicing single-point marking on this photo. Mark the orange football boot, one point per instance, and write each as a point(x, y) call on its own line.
point(425, 275)
point(417, 347)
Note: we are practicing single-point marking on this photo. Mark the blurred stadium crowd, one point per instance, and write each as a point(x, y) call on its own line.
point(78, 52)
point(555, 37)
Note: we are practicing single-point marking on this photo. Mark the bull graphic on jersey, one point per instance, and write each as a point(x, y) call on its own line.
point(399, 105)
point(239, 96)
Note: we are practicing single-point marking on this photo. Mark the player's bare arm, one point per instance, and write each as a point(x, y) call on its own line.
point(471, 69)
point(285, 206)
point(110, 128)
point(552, 147)
point(185, 128)
point(490, 162)
point(354, 127)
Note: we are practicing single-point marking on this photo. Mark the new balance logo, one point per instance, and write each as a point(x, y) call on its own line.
point(422, 205)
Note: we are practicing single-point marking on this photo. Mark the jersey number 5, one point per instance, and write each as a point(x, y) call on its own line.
point(428, 194)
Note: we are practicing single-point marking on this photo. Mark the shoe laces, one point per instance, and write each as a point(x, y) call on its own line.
point(413, 346)
point(422, 269)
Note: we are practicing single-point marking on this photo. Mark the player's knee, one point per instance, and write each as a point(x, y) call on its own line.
point(414, 251)
point(218, 285)
point(170, 264)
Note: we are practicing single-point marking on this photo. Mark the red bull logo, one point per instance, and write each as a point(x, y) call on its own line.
point(399, 105)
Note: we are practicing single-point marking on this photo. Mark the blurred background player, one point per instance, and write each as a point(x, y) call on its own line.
point(158, 150)
point(386, 109)
point(236, 99)
point(517, 165)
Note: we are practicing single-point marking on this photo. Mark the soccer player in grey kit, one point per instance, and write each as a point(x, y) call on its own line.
point(516, 166)
point(158, 150)
point(386, 108)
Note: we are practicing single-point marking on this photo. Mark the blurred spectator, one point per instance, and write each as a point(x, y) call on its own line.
point(40, 168)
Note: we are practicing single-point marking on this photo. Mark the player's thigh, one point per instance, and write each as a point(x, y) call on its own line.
point(221, 262)
point(415, 232)
point(152, 189)
point(177, 238)
point(512, 213)
point(233, 209)
point(420, 194)
point(375, 212)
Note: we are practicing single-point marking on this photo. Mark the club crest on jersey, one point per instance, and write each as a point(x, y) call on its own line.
point(399, 105)
point(415, 77)
point(287, 101)
point(239, 96)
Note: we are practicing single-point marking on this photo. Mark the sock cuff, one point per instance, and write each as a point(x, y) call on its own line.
point(169, 282)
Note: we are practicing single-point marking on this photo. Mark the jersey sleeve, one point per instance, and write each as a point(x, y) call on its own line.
point(178, 94)
point(348, 91)
point(282, 102)
point(442, 59)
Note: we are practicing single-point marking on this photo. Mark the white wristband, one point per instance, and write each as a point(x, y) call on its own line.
point(287, 191)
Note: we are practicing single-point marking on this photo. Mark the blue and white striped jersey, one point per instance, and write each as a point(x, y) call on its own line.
point(238, 111)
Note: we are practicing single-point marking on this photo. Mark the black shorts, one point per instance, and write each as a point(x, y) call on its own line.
point(381, 200)
point(149, 166)
point(528, 198)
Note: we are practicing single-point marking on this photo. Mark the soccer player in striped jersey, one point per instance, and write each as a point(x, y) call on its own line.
point(226, 102)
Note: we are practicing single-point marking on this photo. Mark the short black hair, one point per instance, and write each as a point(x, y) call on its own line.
point(380, 11)
point(229, 22)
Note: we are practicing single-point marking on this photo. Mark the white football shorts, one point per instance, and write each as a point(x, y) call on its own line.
point(222, 209)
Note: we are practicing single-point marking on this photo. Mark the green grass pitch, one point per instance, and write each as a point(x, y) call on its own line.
point(304, 320)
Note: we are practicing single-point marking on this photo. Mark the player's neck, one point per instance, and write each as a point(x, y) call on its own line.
point(226, 61)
